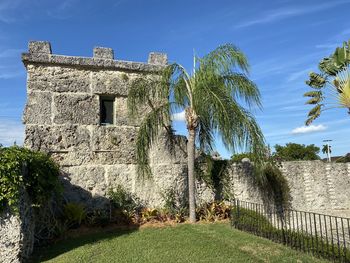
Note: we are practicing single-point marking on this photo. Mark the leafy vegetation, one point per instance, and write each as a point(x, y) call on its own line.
point(126, 206)
point(254, 222)
point(23, 169)
point(180, 243)
point(209, 96)
point(333, 82)
point(296, 152)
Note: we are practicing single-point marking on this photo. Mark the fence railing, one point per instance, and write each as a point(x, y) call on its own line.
point(319, 234)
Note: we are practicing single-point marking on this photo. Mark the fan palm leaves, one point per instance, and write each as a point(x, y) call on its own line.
point(331, 87)
point(212, 96)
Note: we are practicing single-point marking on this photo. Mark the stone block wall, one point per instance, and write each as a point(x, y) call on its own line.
point(62, 117)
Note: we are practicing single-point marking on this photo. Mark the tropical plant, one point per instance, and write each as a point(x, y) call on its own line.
point(217, 97)
point(332, 83)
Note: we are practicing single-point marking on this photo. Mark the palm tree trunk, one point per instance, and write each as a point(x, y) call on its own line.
point(191, 177)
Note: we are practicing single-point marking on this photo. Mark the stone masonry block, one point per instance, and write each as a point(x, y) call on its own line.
point(103, 52)
point(157, 58)
point(111, 82)
point(40, 47)
point(76, 109)
point(38, 108)
point(57, 138)
point(58, 79)
point(113, 145)
point(85, 184)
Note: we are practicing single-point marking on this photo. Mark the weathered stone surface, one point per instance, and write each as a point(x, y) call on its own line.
point(111, 82)
point(112, 145)
point(57, 138)
point(157, 58)
point(39, 47)
point(92, 63)
point(103, 52)
point(17, 233)
point(76, 109)
point(58, 79)
point(85, 184)
point(38, 108)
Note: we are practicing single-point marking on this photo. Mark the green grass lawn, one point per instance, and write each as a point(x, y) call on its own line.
point(181, 243)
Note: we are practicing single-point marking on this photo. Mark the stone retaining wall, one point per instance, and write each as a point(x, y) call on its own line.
point(17, 233)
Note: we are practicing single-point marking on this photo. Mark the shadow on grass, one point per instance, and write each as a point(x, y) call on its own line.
point(75, 238)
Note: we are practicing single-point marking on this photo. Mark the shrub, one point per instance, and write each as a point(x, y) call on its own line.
point(126, 206)
point(23, 169)
point(213, 211)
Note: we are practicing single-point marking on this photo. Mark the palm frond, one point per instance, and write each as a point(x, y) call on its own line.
point(147, 134)
point(224, 59)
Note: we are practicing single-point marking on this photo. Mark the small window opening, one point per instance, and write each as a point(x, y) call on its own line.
point(107, 110)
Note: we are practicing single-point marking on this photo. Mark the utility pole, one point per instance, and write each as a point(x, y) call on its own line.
point(328, 150)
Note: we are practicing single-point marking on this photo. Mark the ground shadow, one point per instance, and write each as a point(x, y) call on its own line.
point(73, 238)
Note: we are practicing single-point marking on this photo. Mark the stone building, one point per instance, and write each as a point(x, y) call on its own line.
point(76, 111)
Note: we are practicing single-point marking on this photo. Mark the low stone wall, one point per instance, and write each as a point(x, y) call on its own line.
point(17, 233)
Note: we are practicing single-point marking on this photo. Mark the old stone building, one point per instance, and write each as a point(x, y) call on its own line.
point(76, 111)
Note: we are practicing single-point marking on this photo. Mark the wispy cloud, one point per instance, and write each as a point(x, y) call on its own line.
point(284, 13)
point(180, 116)
point(11, 75)
point(309, 129)
point(298, 74)
point(61, 11)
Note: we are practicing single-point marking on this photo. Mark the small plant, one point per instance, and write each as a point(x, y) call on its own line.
point(173, 209)
point(148, 214)
point(74, 214)
point(213, 211)
point(126, 206)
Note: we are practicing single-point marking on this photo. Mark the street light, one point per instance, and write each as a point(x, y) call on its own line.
point(328, 149)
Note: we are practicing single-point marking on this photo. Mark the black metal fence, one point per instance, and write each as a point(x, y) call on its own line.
point(319, 234)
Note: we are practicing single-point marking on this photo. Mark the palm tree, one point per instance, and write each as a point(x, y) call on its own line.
point(212, 96)
point(332, 85)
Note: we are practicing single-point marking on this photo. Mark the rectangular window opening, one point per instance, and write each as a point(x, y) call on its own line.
point(106, 110)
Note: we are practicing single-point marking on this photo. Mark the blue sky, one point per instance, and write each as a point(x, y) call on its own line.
point(283, 41)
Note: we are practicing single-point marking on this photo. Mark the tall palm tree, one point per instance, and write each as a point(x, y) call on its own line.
point(217, 97)
point(332, 85)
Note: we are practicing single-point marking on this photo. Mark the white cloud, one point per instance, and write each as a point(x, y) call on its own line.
point(284, 13)
point(309, 129)
point(180, 116)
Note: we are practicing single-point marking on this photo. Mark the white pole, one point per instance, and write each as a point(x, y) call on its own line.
point(328, 153)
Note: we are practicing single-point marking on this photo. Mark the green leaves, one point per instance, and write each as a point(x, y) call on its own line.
point(40, 181)
point(333, 82)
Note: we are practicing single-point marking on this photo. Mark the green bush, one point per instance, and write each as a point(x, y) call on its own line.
point(126, 206)
point(254, 222)
point(23, 169)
